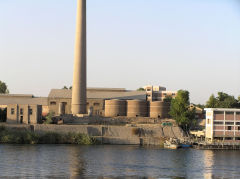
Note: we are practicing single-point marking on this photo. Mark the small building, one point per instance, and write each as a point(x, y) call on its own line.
point(24, 114)
point(222, 124)
point(24, 99)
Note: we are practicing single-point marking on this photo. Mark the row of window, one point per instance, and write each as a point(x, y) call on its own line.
point(21, 111)
point(226, 123)
point(229, 128)
point(221, 112)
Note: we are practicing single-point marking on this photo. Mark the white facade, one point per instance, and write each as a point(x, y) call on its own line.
point(222, 124)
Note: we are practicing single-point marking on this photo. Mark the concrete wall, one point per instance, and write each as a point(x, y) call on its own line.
point(144, 134)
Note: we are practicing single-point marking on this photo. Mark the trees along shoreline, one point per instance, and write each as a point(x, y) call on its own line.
point(181, 112)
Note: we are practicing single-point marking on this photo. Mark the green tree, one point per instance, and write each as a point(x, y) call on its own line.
point(3, 88)
point(168, 99)
point(212, 102)
point(181, 112)
point(223, 100)
point(140, 89)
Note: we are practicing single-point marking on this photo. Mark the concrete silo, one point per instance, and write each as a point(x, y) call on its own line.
point(137, 108)
point(159, 109)
point(114, 108)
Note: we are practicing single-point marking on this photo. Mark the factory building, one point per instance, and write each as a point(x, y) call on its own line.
point(24, 114)
point(59, 100)
point(222, 124)
point(24, 99)
point(105, 102)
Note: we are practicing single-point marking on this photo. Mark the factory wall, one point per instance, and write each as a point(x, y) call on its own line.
point(63, 106)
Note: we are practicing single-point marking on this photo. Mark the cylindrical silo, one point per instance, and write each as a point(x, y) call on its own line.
point(137, 108)
point(114, 108)
point(159, 109)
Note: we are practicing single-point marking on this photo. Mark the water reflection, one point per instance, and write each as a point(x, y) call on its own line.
point(62, 161)
point(208, 163)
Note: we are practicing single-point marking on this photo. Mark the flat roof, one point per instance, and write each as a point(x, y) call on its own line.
point(17, 95)
point(64, 93)
point(17, 100)
point(222, 109)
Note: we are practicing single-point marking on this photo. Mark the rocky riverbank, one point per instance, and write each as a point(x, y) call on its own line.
point(140, 134)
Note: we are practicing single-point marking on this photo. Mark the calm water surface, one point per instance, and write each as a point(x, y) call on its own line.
point(68, 161)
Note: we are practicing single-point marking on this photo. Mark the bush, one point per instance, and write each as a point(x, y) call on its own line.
point(48, 118)
point(27, 137)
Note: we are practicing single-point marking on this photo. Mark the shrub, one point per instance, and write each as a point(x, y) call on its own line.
point(48, 118)
point(27, 137)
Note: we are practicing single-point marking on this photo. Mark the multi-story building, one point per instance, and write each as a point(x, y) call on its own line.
point(158, 93)
point(222, 124)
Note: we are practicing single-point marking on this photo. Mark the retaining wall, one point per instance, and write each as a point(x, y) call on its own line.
point(126, 135)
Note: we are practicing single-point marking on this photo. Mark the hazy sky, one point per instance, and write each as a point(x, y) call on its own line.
point(179, 44)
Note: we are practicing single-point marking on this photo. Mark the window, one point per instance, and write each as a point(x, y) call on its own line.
point(208, 121)
point(30, 111)
point(21, 111)
point(53, 103)
point(229, 128)
point(218, 123)
point(96, 104)
point(230, 113)
point(229, 123)
point(239, 128)
point(237, 123)
point(12, 111)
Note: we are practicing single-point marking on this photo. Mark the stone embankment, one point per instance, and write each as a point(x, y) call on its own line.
point(144, 134)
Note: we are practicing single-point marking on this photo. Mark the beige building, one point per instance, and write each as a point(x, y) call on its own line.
point(9, 99)
point(24, 114)
point(59, 100)
point(158, 93)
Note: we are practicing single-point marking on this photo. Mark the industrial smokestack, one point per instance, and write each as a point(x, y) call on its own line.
point(79, 98)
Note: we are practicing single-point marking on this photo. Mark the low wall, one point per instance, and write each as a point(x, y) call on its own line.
point(126, 135)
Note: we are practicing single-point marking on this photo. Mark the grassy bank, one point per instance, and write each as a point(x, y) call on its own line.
point(26, 137)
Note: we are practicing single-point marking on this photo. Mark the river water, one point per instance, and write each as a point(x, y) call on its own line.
point(71, 161)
